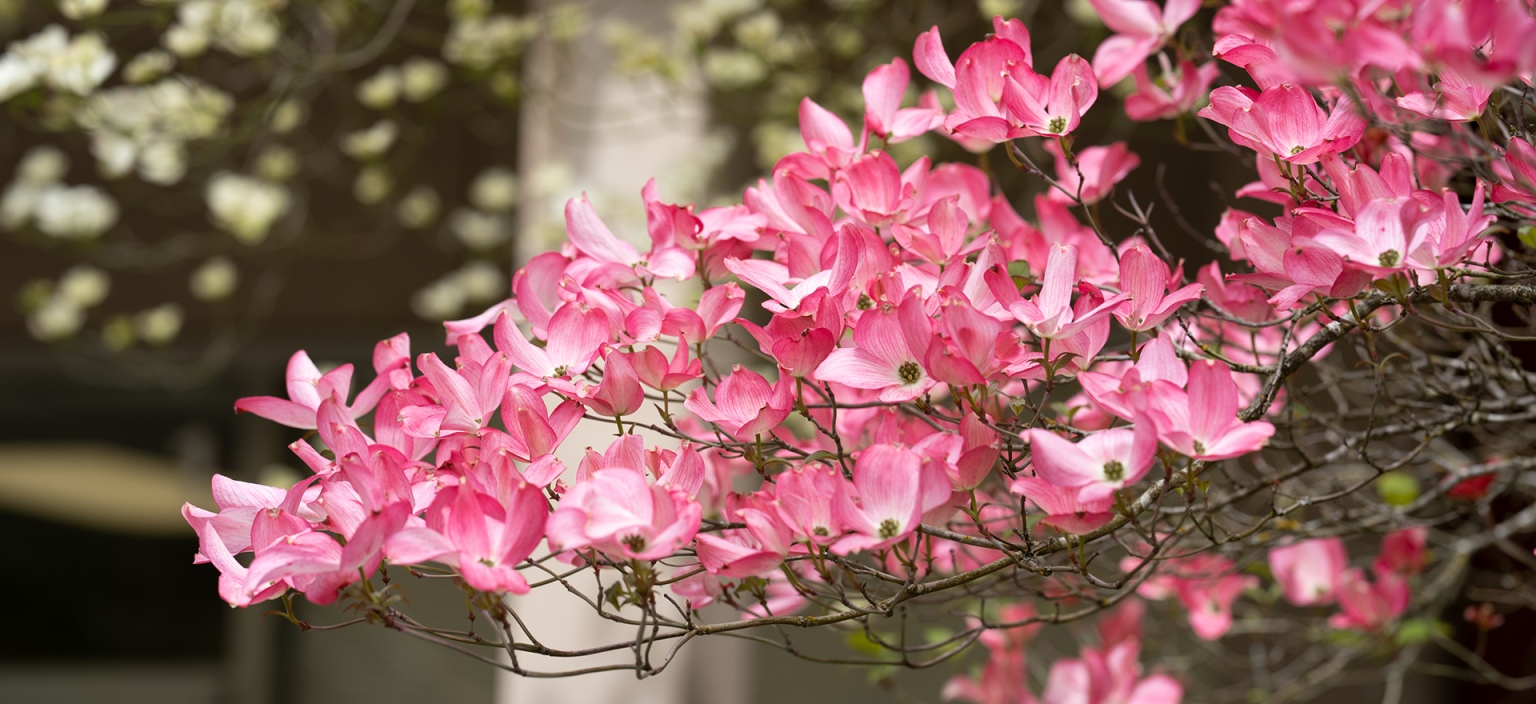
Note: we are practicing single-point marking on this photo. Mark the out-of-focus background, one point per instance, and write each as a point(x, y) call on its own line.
point(190, 191)
point(194, 189)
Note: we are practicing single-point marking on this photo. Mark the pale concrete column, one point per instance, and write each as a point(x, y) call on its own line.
point(585, 128)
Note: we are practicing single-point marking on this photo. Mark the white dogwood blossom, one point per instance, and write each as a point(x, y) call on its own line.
point(148, 126)
point(215, 279)
point(75, 212)
point(370, 143)
point(421, 78)
point(495, 189)
point(84, 285)
point(81, 9)
point(245, 207)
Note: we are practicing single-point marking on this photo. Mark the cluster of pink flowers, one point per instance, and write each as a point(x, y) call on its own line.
point(906, 310)
point(1109, 673)
point(1316, 572)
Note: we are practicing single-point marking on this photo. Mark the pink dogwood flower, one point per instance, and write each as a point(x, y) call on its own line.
point(1097, 465)
point(1386, 231)
point(618, 513)
point(895, 488)
point(884, 117)
point(886, 353)
point(307, 387)
point(1037, 106)
point(1145, 278)
point(1402, 551)
point(1066, 510)
point(1175, 91)
point(804, 497)
point(1285, 121)
point(745, 405)
point(1100, 168)
point(750, 552)
point(1454, 98)
point(1141, 27)
point(484, 537)
point(1369, 604)
point(1049, 313)
point(1202, 422)
point(1309, 570)
point(593, 238)
point(576, 337)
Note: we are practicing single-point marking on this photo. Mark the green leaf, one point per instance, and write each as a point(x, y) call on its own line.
point(822, 456)
point(614, 595)
point(1528, 236)
point(1345, 637)
point(861, 643)
point(1415, 631)
point(1397, 488)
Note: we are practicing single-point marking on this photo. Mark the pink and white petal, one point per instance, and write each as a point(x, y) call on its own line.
point(278, 410)
point(593, 238)
point(930, 59)
point(1060, 461)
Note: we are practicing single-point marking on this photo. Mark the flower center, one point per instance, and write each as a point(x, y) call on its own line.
point(1389, 258)
point(1114, 471)
point(635, 543)
point(1297, 150)
point(820, 531)
point(909, 372)
point(1199, 447)
point(865, 302)
point(1057, 125)
point(561, 370)
point(888, 528)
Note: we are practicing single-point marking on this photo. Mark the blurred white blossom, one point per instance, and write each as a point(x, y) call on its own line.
point(481, 281)
point(380, 90)
point(159, 325)
point(214, 280)
point(422, 78)
point(440, 300)
point(148, 125)
point(245, 207)
point(56, 319)
point(81, 9)
point(373, 184)
point(495, 189)
point(277, 163)
point(759, 31)
point(734, 68)
point(240, 27)
point(148, 66)
point(480, 231)
point(75, 65)
point(78, 212)
point(185, 41)
point(82, 66)
point(477, 282)
point(418, 208)
point(163, 162)
point(285, 116)
point(370, 143)
point(43, 165)
point(84, 286)
point(479, 43)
